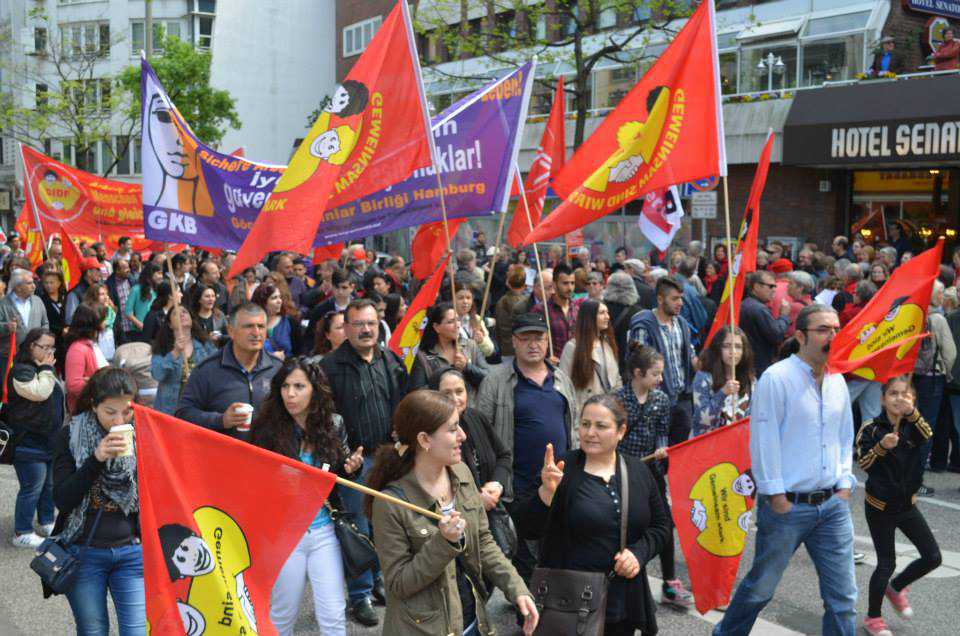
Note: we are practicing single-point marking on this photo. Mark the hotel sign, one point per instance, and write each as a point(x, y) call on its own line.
point(948, 8)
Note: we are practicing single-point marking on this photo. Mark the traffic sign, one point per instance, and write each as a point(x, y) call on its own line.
point(703, 205)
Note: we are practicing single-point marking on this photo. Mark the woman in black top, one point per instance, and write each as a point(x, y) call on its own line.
point(576, 510)
point(483, 451)
point(34, 411)
point(203, 306)
point(54, 297)
point(95, 489)
point(890, 450)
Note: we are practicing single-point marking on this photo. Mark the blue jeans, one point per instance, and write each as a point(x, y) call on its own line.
point(827, 532)
point(930, 390)
point(35, 474)
point(359, 588)
point(868, 393)
point(120, 570)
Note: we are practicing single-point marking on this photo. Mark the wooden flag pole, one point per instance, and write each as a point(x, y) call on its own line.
point(731, 284)
point(496, 254)
point(536, 256)
point(446, 232)
point(389, 498)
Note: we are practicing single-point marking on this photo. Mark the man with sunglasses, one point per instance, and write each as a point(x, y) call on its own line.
point(765, 332)
point(801, 454)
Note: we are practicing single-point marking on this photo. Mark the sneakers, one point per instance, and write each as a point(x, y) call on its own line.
point(899, 601)
point(926, 491)
point(27, 540)
point(45, 530)
point(876, 626)
point(858, 557)
point(676, 595)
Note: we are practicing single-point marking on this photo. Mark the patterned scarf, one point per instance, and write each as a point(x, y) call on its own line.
point(117, 480)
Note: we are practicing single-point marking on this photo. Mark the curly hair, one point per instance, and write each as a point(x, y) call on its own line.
point(273, 426)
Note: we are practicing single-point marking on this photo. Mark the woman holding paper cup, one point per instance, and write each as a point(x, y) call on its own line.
point(95, 490)
point(433, 571)
point(297, 420)
point(177, 350)
point(204, 308)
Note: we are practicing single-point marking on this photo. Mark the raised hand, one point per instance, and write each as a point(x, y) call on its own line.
point(354, 462)
point(550, 475)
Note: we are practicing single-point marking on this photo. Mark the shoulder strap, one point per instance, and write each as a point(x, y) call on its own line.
point(624, 501)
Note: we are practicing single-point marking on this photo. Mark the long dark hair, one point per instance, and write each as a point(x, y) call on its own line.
point(262, 294)
point(165, 339)
point(87, 323)
point(61, 291)
point(586, 333)
point(712, 360)
point(146, 280)
point(434, 317)
point(323, 345)
point(164, 292)
point(394, 302)
point(273, 427)
point(196, 292)
point(108, 382)
point(422, 411)
point(23, 351)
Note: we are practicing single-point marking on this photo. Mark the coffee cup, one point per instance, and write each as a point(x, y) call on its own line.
point(127, 431)
point(215, 335)
point(247, 410)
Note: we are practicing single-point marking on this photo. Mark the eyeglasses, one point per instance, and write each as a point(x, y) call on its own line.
point(767, 285)
point(360, 324)
point(823, 331)
point(44, 347)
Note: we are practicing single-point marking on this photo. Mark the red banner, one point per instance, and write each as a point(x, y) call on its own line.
point(71, 260)
point(219, 517)
point(711, 491)
point(429, 245)
point(374, 133)
point(31, 239)
point(405, 341)
point(89, 207)
point(745, 255)
point(667, 130)
point(881, 342)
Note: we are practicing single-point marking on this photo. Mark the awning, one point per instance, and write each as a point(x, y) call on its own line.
point(771, 29)
point(876, 124)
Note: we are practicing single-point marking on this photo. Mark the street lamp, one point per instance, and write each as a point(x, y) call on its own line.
point(772, 64)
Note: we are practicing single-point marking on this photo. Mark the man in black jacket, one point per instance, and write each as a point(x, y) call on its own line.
point(765, 332)
point(367, 383)
point(238, 374)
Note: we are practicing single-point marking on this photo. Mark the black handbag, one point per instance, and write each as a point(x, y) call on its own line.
point(356, 548)
point(54, 563)
point(502, 528)
point(8, 443)
point(572, 601)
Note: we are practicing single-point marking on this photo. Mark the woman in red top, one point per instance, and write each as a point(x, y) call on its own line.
point(84, 357)
point(945, 59)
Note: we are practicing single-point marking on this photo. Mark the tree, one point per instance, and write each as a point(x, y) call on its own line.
point(185, 74)
point(577, 34)
point(55, 90)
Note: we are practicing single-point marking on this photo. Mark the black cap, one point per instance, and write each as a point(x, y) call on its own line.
point(529, 322)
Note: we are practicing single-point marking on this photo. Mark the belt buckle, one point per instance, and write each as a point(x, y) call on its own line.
point(817, 498)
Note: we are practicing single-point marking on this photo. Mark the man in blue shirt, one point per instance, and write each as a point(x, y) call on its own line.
point(801, 451)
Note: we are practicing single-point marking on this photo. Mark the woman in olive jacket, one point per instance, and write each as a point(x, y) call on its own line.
point(434, 572)
point(575, 512)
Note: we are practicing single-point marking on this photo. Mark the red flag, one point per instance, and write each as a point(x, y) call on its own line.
point(550, 158)
point(668, 129)
point(31, 235)
point(237, 512)
point(712, 493)
point(330, 252)
point(881, 341)
point(375, 133)
point(745, 258)
point(71, 259)
point(405, 341)
point(429, 245)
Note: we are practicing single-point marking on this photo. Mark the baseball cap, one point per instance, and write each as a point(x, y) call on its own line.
point(781, 266)
point(529, 322)
point(89, 263)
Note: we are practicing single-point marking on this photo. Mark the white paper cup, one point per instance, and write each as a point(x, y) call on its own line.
point(216, 335)
point(246, 409)
point(127, 431)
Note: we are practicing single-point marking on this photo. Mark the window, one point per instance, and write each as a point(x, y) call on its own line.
point(641, 14)
point(611, 85)
point(728, 73)
point(832, 61)
point(205, 39)
point(123, 155)
point(40, 40)
point(90, 39)
point(607, 18)
point(170, 28)
point(837, 24)
point(357, 37)
point(136, 156)
point(754, 78)
point(41, 96)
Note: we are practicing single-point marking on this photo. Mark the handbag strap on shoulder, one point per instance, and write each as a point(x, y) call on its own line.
point(624, 501)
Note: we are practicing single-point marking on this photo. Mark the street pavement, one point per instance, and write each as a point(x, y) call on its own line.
point(796, 608)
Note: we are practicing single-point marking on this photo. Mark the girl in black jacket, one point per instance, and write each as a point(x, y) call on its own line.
point(890, 450)
point(576, 513)
point(34, 411)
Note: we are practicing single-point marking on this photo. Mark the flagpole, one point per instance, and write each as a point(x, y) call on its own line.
point(446, 230)
point(388, 498)
point(496, 253)
point(536, 256)
point(731, 284)
point(33, 204)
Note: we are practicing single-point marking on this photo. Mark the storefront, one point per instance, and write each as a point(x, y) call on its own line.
point(893, 145)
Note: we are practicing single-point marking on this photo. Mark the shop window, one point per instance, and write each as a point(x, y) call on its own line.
point(754, 77)
point(611, 85)
point(728, 73)
point(832, 61)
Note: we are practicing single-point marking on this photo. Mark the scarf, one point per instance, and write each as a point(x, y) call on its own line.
point(118, 479)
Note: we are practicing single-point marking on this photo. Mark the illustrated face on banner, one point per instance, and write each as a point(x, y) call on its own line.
point(903, 319)
point(720, 510)
point(167, 143)
point(217, 594)
point(57, 196)
point(410, 339)
point(637, 141)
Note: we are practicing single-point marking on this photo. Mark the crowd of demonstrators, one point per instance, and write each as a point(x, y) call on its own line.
point(595, 361)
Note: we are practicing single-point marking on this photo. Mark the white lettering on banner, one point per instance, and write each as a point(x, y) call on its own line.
point(452, 159)
point(172, 221)
point(919, 139)
point(240, 198)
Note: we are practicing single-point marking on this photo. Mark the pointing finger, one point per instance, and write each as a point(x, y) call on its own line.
point(548, 455)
